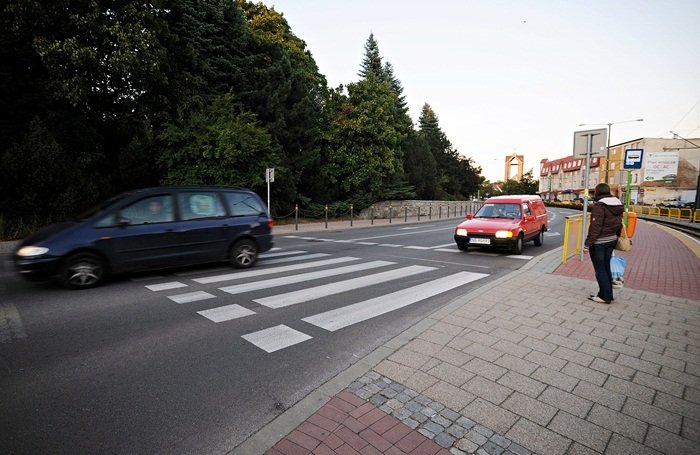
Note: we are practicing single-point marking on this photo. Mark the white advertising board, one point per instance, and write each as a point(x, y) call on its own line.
point(661, 166)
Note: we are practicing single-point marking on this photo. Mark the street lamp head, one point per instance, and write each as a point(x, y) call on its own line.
point(612, 123)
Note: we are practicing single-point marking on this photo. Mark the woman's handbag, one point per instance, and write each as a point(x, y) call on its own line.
point(623, 242)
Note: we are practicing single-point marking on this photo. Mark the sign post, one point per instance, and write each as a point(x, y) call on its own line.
point(633, 160)
point(269, 177)
point(590, 138)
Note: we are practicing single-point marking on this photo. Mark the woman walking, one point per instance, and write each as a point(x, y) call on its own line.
point(606, 223)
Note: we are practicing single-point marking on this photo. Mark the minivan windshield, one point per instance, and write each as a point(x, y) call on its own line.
point(100, 207)
point(511, 211)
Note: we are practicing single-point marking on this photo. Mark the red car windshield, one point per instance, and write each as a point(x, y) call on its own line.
point(511, 211)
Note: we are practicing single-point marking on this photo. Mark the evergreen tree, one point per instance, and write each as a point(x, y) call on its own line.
point(371, 65)
point(75, 83)
point(222, 145)
point(362, 142)
point(286, 91)
point(456, 177)
point(419, 167)
point(395, 85)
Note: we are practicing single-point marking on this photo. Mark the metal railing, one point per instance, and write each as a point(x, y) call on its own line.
point(668, 212)
point(573, 232)
point(390, 212)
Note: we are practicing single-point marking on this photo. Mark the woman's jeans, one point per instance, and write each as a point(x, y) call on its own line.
point(600, 256)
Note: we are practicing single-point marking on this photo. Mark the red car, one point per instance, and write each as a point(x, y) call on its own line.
point(504, 222)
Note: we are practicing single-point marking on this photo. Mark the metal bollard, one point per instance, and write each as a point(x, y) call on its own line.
point(405, 214)
point(389, 213)
point(350, 215)
point(296, 217)
point(326, 217)
point(371, 215)
point(419, 213)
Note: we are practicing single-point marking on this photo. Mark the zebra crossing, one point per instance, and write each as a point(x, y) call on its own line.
point(278, 269)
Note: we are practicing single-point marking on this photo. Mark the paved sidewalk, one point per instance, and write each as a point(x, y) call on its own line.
point(525, 365)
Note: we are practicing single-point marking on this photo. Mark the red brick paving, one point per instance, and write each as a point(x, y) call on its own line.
point(658, 262)
point(348, 425)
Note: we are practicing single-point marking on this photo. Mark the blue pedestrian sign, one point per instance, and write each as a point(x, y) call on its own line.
point(633, 158)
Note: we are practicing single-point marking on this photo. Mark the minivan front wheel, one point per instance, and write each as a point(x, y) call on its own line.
point(244, 253)
point(82, 271)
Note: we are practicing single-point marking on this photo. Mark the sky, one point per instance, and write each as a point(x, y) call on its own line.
point(520, 76)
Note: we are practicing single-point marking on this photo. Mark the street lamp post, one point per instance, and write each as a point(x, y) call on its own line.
point(607, 152)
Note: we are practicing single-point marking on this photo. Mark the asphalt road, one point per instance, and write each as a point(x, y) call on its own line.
point(142, 366)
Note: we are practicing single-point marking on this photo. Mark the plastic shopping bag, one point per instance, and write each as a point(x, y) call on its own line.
point(617, 266)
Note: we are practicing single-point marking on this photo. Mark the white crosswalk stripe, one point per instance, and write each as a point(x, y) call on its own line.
point(276, 338)
point(285, 280)
point(272, 270)
point(191, 297)
point(293, 259)
point(276, 252)
point(305, 295)
point(352, 314)
point(166, 286)
point(226, 313)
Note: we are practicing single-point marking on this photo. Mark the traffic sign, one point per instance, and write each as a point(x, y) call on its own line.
point(633, 158)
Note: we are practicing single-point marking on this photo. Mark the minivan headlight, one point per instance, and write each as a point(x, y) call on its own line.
point(31, 251)
point(461, 232)
point(504, 234)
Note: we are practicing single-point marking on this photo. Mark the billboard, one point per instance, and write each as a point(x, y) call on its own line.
point(661, 166)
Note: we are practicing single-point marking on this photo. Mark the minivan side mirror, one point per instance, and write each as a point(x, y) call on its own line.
point(530, 218)
point(121, 221)
point(470, 216)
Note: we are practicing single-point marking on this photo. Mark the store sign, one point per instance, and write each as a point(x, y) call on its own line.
point(661, 166)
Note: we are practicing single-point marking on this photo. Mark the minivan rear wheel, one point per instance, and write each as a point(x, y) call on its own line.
point(82, 271)
point(244, 253)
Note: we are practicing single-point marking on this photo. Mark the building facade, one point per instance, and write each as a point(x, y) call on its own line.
point(563, 179)
point(670, 170)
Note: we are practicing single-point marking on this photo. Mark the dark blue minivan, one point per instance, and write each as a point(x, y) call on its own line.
point(149, 229)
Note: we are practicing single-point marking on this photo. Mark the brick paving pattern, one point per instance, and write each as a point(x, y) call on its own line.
point(652, 248)
point(348, 424)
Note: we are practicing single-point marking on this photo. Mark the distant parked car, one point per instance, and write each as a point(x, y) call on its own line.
point(149, 229)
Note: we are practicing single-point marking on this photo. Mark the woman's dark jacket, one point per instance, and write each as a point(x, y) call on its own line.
point(606, 219)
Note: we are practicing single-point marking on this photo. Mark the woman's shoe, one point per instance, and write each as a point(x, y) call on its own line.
point(596, 299)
